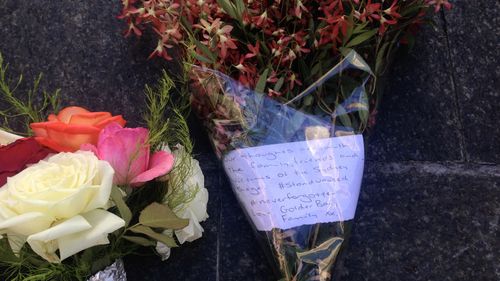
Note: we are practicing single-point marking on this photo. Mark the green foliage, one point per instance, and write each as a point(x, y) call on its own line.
point(158, 215)
point(25, 108)
point(160, 237)
point(117, 197)
point(28, 266)
point(177, 193)
point(165, 115)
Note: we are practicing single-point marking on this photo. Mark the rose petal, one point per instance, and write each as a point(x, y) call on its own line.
point(26, 224)
point(53, 145)
point(63, 137)
point(105, 176)
point(90, 118)
point(66, 113)
point(43, 242)
point(52, 117)
point(102, 223)
point(191, 232)
point(89, 147)
point(109, 131)
point(16, 242)
point(39, 129)
point(115, 119)
point(160, 164)
point(6, 137)
point(15, 156)
point(72, 136)
point(124, 149)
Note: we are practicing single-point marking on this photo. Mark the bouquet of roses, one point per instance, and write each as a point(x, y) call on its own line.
point(81, 190)
point(286, 90)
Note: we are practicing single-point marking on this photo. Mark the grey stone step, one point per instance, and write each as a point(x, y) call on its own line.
point(473, 31)
point(427, 221)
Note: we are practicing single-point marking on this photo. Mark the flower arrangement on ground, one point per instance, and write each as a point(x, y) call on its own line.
point(287, 90)
point(81, 190)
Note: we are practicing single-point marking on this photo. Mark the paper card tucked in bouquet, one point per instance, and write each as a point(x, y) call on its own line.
point(298, 183)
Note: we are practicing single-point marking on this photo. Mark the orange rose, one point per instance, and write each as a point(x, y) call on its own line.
point(72, 127)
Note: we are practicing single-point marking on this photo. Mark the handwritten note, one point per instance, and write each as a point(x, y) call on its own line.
point(299, 183)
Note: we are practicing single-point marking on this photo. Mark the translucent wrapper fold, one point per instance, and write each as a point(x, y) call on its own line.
point(296, 174)
point(114, 272)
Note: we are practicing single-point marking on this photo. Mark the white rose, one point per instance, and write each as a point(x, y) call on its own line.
point(57, 204)
point(196, 209)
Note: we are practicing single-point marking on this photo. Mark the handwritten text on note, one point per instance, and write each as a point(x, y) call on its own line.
point(292, 184)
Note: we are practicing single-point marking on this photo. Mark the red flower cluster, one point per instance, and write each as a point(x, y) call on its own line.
point(276, 45)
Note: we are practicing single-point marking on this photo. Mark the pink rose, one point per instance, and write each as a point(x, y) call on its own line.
point(127, 150)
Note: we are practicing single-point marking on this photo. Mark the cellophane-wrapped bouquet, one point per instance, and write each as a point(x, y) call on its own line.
point(287, 91)
point(79, 190)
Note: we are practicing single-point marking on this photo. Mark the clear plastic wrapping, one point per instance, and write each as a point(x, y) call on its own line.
point(297, 175)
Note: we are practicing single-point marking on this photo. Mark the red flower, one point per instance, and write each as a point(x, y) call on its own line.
point(370, 12)
point(254, 51)
point(15, 156)
point(437, 4)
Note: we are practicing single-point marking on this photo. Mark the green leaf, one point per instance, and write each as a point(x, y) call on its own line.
point(240, 7)
point(360, 28)
point(228, 7)
point(187, 25)
point(139, 240)
point(158, 215)
point(361, 38)
point(6, 253)
point(413, 9)
point(205, 50)
point(316, 69)
point(261, 84)
point(165, 239)
point(279, 84)
point(350, 29)
point(308, 100)
point(345, 51)
point(101, 263)
point(363, 116)
point(379, 62)
point(201, 58)
point(124, 210)
point(341, 113)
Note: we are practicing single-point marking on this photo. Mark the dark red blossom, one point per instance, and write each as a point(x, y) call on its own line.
point(16, 156)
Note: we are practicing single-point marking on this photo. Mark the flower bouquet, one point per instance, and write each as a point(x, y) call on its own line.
point(287, 91)
point(80, 190)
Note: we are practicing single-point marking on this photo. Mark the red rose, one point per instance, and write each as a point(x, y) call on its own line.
point(15, 156)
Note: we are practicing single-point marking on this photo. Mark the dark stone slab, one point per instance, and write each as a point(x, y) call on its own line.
point(474, 38)
point(417, 119)
point(79, 47)
point(427, 222)
point(241, 256)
